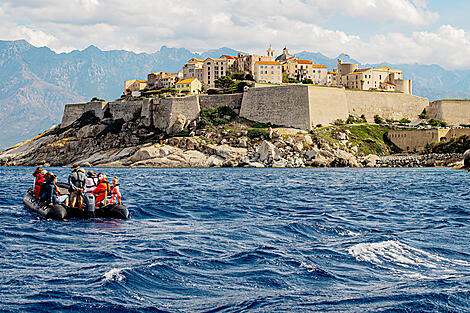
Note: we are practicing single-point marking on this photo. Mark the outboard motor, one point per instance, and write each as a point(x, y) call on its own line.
point(90, 204)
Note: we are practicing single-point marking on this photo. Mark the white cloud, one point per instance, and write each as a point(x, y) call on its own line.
point(248, 25)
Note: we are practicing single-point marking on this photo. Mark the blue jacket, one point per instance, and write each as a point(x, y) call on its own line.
point(50, 193)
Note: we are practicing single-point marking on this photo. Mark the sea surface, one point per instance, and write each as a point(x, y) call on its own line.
point(246, 240)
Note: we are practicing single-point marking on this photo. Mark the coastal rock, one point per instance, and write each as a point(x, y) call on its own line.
point(345, 159)
point(308, 140)
point(466, 158)
point(225, 151)
point(256, 164)
point(215, 161)
point(267, 151)
point(311, 154)
point(370, 160)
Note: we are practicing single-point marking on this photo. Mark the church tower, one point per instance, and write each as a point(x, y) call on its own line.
point(271, 53)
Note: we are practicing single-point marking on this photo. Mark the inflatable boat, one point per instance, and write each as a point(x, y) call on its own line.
point(60, 211)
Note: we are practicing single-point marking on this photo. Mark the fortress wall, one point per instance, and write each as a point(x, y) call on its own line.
point(326, 105)
point(169, 112)
point(453, 112)
point(387, 105)
point(147, 111)
point(413, 140)
point(124, 109)
point(74, 111)
point(278, 105)
point(214, 101)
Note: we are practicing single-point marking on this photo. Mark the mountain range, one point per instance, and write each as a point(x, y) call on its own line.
point(36, 83)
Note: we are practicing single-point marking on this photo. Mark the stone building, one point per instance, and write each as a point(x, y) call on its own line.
point(380, 78)
point(193, 85)
point(246, 63)
point(416, 139)
point(214, 68)
point(268, 72)
point(193, 69)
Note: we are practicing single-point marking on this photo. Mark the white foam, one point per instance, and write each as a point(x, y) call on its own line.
point(115, 274)
point(397, 253)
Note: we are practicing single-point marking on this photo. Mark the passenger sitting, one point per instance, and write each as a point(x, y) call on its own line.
point(42, 189)
point(101, 192)
point(90, 185)
point(51, 195)
point(39, 179)
point(115, 193)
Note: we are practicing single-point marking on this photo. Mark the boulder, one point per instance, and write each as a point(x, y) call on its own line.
point(215, 161)
point(345, 159)
point(225, 151)
point(370, 160)
point(311, 154)
point(255, 164)
point(298, 147)
point(308, 140)
point(268, 151)
point(466, 158)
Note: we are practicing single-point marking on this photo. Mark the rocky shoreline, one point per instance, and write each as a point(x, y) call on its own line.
point(103, 143)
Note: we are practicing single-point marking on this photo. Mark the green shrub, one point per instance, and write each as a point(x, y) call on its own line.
point(423, 116)
point(437, 123)
point(338, 122)
point(404, 121)
point(238, 76)
point(378, 119)
point(319, 125)
point(257, 133)
point(307, 81)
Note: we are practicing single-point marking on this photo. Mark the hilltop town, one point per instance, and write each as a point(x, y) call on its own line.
point(257, 111)
point(202, 76)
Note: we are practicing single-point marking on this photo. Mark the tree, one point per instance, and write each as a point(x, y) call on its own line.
point(378, 119)
point(241, 86)
point(249, 77)
point(307, 81)
point(185, 91)
point(225, 83)
point(238, 76)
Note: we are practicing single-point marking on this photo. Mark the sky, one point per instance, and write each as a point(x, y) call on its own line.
point(370, 31)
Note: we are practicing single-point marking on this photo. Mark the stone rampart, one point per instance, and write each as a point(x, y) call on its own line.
point(74, 111)
point(388, 105)
point(417, 139)
point(453, 112)
point(126, 110)
point(278, 105)
point(326, 104)
point(233, 101)
point(173, 114)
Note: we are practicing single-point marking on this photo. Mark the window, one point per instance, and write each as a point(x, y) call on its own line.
point(272, 72)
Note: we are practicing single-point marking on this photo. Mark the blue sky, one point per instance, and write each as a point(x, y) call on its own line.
point(371, 31)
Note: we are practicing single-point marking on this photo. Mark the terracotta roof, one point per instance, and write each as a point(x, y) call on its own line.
point(142, 81)
point(331, 72)
point(318, 66)
point(228, 57)
point(304, 62)
point(358, 72)
point(268, 63)
point(388, 84)
point(186, 81)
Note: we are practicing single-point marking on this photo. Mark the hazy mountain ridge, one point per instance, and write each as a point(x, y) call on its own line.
point(36, 83)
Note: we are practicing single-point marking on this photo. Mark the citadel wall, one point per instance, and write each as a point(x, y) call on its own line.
point(233, 101)
point(453, 112)
point(326, 105)
point(74, 111)
point(388, 105)
point(278, 105)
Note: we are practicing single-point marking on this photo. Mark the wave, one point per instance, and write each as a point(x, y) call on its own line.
point(115, 274)
point(397, 254)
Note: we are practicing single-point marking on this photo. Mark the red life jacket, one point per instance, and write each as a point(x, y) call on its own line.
point(37, 184)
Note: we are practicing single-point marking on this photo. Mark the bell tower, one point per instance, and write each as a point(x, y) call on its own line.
point(271, 53)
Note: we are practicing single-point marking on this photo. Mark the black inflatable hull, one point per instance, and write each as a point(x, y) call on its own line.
point(60, 212)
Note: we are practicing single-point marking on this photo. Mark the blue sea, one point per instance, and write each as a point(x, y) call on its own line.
point(246, 240)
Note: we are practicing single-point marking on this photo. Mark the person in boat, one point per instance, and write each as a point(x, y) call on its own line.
point(77, 181)
point(52, 193)
point(90, 185)
point(39, 179)
point(101, 191)
point(115, 192)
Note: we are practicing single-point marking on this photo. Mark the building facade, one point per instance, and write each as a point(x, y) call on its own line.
point(213, 68)
point(193, 85)
point(268, 72)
